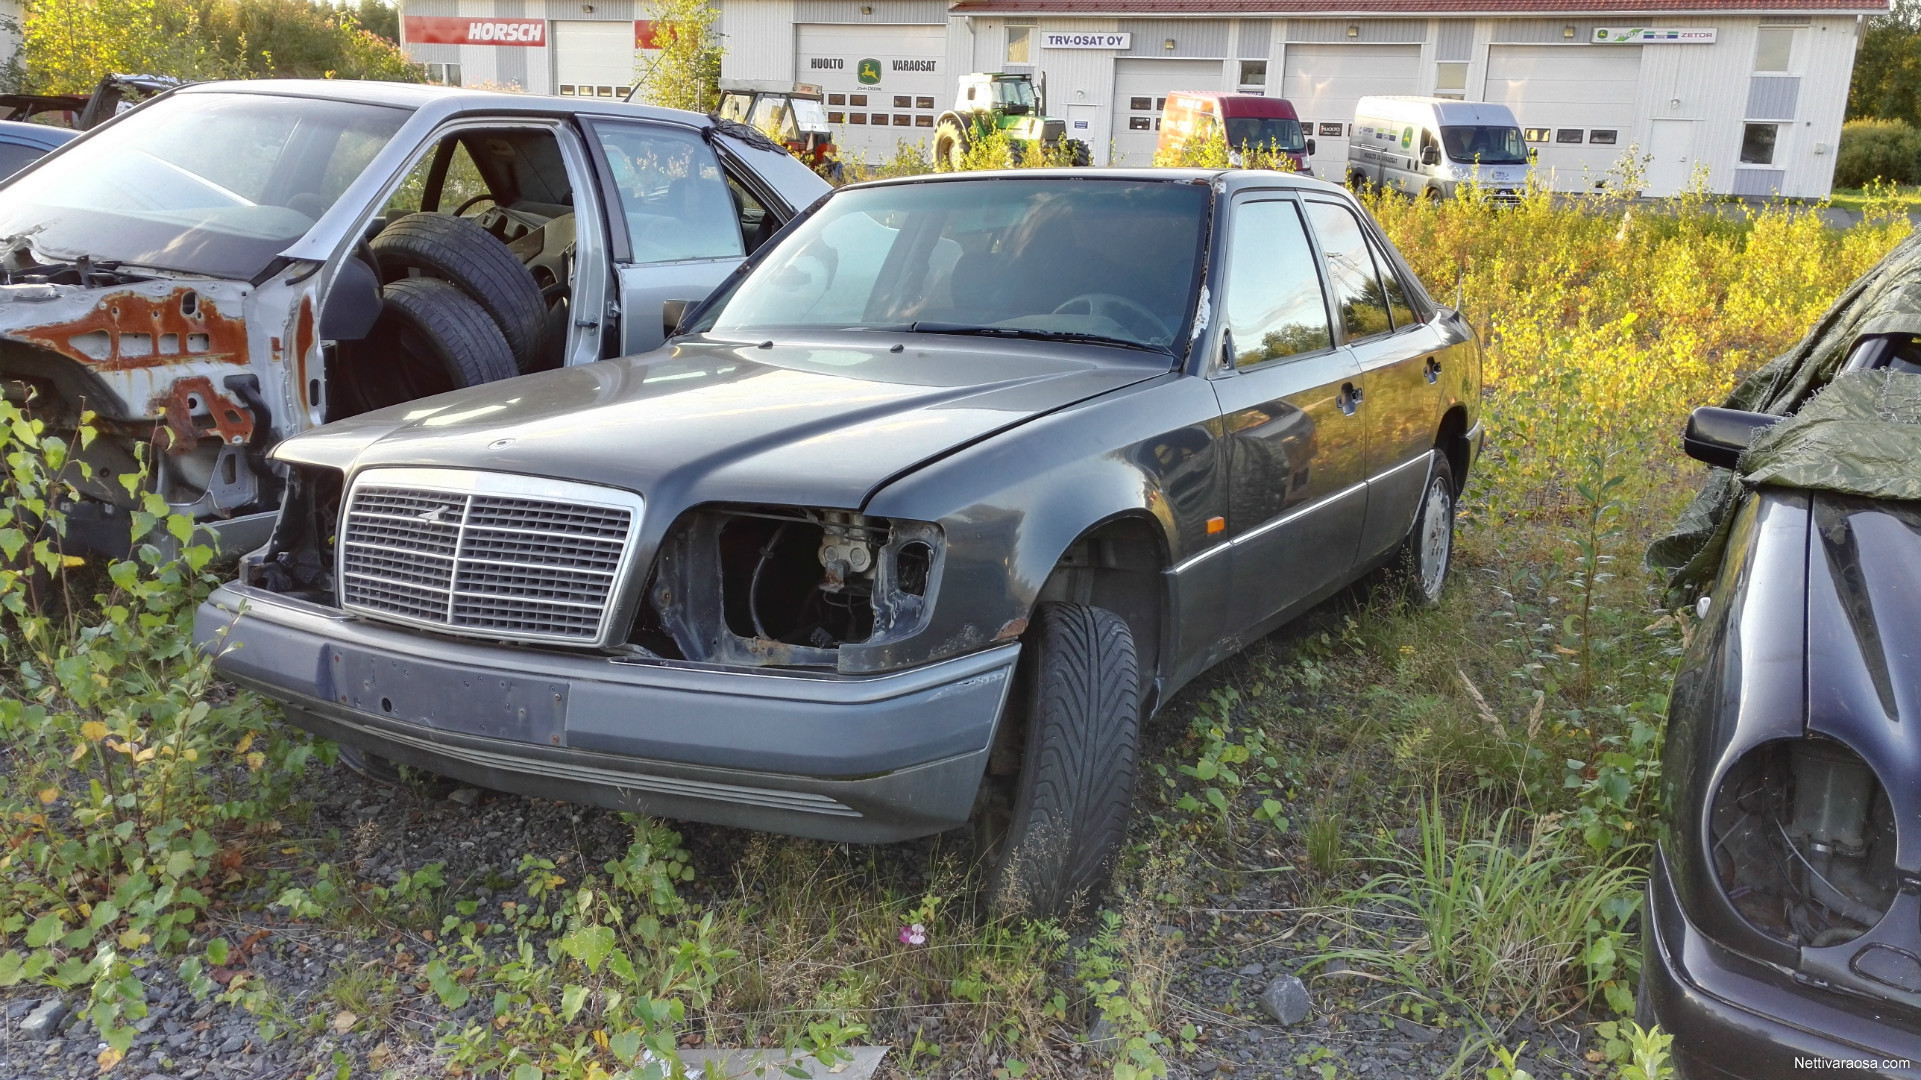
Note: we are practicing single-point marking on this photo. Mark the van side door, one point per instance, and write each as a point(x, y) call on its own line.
point(1289, 397)
point(1398, 354)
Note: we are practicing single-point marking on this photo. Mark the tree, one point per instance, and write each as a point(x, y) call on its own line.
point(1887, 67)
point(685, 72)
point(67, 45)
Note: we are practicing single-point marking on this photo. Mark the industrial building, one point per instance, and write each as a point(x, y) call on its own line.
point(1752, 92)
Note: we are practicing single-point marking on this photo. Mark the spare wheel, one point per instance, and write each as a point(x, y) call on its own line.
point(431, 338)
point(457, 250)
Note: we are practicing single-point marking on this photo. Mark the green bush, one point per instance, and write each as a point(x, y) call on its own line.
point(1873, 150)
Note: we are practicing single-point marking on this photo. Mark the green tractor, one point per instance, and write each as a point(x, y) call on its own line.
point(990, 101)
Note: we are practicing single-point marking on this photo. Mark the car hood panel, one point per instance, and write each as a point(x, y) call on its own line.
point(1864, 643)
point(820, 422)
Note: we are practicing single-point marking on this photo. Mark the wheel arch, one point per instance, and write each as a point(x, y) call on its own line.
point(1118, 563)
point(1452, 441)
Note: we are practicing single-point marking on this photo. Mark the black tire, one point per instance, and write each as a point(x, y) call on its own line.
point(950, 145)
point(1065, 816)
point(457, 250)
point(1419, 567)
point(431, 338)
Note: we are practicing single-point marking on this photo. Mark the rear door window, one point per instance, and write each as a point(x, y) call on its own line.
point(1358, 291)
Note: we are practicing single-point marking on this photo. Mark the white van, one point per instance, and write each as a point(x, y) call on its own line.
point(1426, 146)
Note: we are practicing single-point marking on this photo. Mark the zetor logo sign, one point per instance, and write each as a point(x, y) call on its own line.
point(459, 30)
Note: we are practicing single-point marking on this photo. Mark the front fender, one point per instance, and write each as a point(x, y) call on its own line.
point(1012, 505)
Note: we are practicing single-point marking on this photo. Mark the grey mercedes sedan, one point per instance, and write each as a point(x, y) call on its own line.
point(911, 524)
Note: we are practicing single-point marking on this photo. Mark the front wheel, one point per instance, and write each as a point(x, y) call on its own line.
point(1420, 566)
point(1053, 835)
point(950, 146)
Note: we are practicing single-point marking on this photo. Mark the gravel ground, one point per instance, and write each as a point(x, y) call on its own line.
point(1223, 957)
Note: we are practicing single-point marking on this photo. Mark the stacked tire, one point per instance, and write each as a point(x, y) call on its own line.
point(458, 310)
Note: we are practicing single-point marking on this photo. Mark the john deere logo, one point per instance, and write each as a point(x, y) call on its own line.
point(1407, 137)
point(869, 72)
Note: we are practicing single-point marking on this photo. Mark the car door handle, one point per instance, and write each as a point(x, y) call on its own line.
point(1349, 399)
point(1433, 369)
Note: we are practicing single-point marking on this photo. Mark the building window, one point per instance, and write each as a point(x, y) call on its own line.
point(1536, 134)
point(1140, 104)
point(837, 99)
point(1568, 135)
point(857, 118)
point(1253, 73)
point(879, 119)
point(1140, 123)
point(1773, 48)
point(1020, 44)
point(923, 103)
point(857, 100)
point(1450, 79)
point(837, 118)
point(445, 74)
point(1602, 137)
point(903, 120)
point(903, 101)
point(923, 121)
point(1757, 144)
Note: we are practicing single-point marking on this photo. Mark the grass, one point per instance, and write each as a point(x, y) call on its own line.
point(1860, 200)
point(1453, 803)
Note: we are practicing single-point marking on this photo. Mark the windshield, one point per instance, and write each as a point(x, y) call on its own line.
point(811, 115)
point(1024, 258)
point(1014, 92)
point(215, 184)
point(1265, 132)
point(1485, 145)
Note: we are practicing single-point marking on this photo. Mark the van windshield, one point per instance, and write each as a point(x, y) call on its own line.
point(1263, 132)
point(1484, 144)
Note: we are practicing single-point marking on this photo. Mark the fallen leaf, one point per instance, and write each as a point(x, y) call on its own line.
point(380, 1056)
point(109, 1058)
point(344, 1022)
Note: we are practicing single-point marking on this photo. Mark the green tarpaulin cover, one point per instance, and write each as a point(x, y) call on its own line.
point(1859, 434)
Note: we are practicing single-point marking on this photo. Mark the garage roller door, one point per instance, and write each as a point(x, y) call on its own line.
point(910, 84)
point(1580, 97)
point(593, 59)
point(1140, 90)
point(1325, 81)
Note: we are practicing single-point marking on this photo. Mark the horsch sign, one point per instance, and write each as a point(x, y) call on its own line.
point(462, 30)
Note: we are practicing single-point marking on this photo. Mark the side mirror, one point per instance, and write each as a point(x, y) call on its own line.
point(1430, 155)
point(1310, 148)
point(670, 315)
point(1719, 436)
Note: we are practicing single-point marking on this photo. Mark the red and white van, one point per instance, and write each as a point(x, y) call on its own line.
point(1250, 120)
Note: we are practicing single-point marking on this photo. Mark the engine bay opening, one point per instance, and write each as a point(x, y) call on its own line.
point(299, 560)
point(800, 580)
point(1803, 842)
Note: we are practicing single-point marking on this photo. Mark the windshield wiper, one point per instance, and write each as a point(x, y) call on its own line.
point(1032, 334)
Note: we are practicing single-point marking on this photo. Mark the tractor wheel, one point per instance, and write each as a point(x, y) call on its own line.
point(950, 145)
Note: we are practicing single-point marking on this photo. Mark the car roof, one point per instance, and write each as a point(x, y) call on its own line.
point(41, 135)
point(1231, 179)
point(441, 100)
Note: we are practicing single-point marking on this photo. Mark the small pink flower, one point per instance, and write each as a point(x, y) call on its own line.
point(913, 935)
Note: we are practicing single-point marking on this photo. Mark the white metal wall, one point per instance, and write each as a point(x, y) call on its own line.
point(1707, 85)
point(1586, 92)
point(759, 39)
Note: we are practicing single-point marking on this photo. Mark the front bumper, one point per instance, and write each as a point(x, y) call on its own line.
point(863, 758)
point(1737, 1019)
